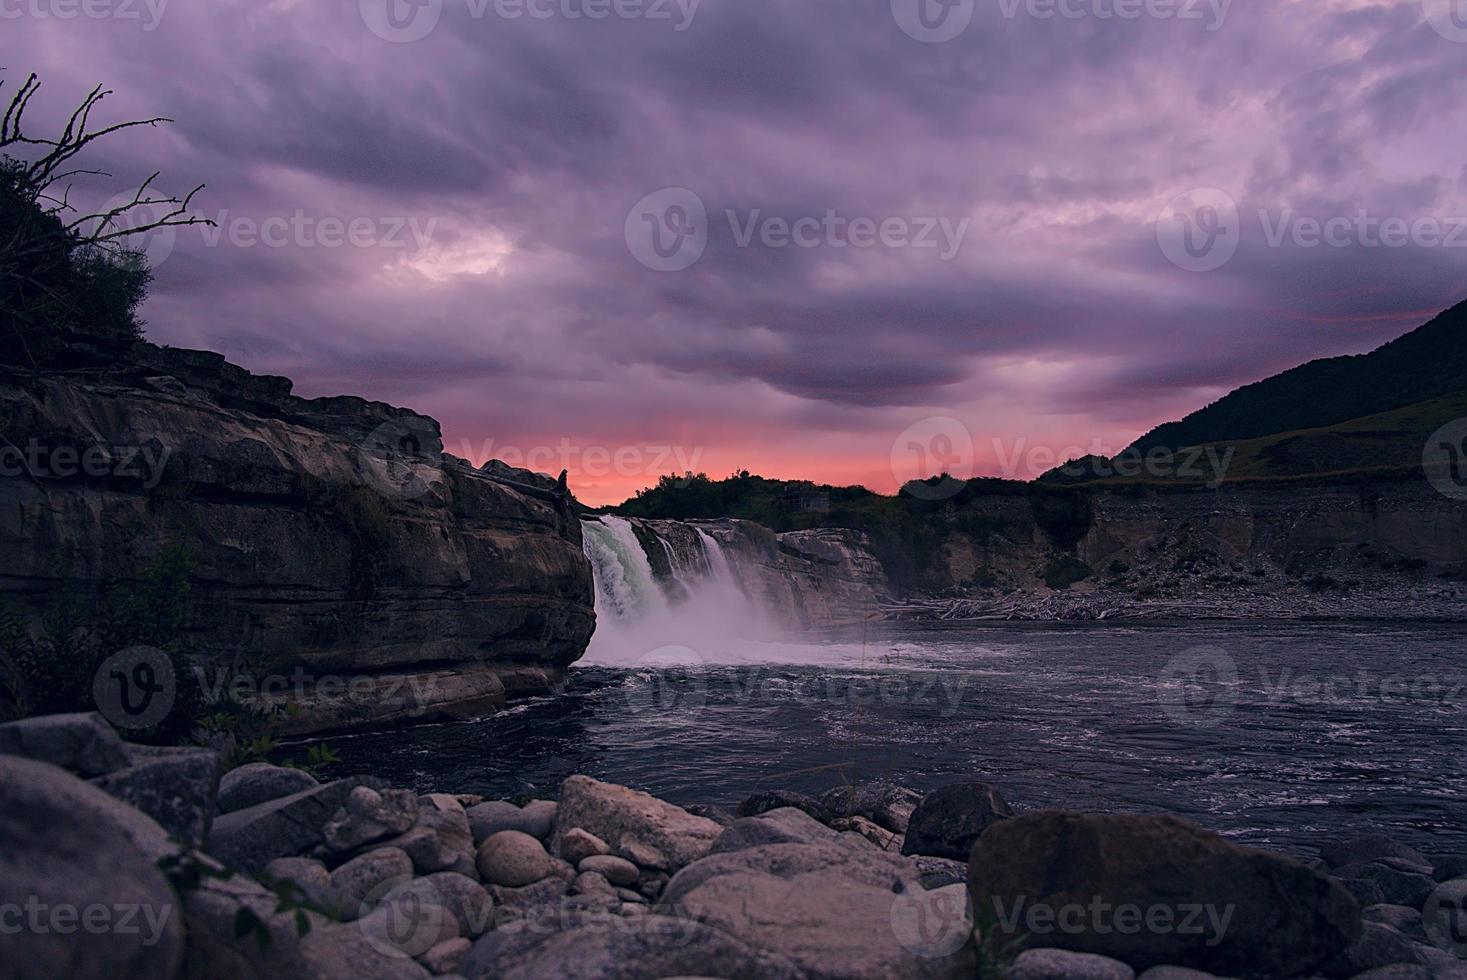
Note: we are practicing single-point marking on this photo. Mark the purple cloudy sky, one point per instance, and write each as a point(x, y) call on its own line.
point(517, 304)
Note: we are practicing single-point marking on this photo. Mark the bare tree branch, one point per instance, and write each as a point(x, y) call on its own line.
point(102, 228)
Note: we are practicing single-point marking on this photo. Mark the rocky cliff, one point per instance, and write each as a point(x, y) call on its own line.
point(1345, 547)
point(327, 537)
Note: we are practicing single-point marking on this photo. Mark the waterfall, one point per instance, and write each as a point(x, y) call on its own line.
point(625, 586)
point(696, 603)
point(719, 566)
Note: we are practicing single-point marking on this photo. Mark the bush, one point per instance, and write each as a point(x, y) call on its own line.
point(51, 669)
point(70, 286)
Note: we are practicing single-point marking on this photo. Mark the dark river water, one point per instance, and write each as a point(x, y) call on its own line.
point(1284, 735)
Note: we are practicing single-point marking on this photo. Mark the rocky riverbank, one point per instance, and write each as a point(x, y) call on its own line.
point(126, 861)
point(1385, 602)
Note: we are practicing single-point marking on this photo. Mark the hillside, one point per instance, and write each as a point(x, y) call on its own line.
point(1426, 363)
point(1386, 444)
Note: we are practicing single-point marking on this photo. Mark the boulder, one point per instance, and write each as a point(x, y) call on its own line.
point(92, 903)
point(936, 872)
point(576, 845)
point(1153, 890)
point(868, 866)
point(1061, 964)
point(1402, 918)
point(81, 743)
point(367, 877)
point(591, 891)
point(1448, 866)
point(309, 877)
point(402, 924)
point(1398, 971)
point(251, 838)
point(1442, 917)
point(1366, 893)
point(666, 837)
point(618, 871)
point(540, 817)
point(513, 860)
point(177, 787)
point(783, 826)
point(1397, 887)
point(1177, 973)
point(1378, 945)
point(870, 831)
point(463, 898)
point(934, 923)
point(488, 819)
point(528, 901)
point(447, 955)
point(779, 799)
point(592, 882)
point(718, 813)
point(440, 840)
point(948, 821)
point(1370, 847)
point(367, 816)
point(884, 804)
point(274, 947)
point(259, 782)
point(642, 948)
point(1438, 960)
point(831, 910)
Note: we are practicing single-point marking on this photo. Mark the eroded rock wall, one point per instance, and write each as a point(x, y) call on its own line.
point(329, 535)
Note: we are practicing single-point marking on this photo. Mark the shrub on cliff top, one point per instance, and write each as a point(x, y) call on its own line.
point(70, 284)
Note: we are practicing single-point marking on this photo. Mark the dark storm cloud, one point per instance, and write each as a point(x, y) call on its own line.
point(519, 147)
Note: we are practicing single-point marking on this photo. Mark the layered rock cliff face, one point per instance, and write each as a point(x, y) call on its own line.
point(1393, 548)
point(329, 536)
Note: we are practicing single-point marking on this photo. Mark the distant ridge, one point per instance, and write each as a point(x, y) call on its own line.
point(1426, 363)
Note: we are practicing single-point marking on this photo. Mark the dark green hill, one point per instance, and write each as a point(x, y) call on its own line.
point(1426, 363)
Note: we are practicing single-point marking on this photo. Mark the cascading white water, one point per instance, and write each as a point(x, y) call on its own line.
point(626, 589)
point(718, 563)
point(638, 620)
